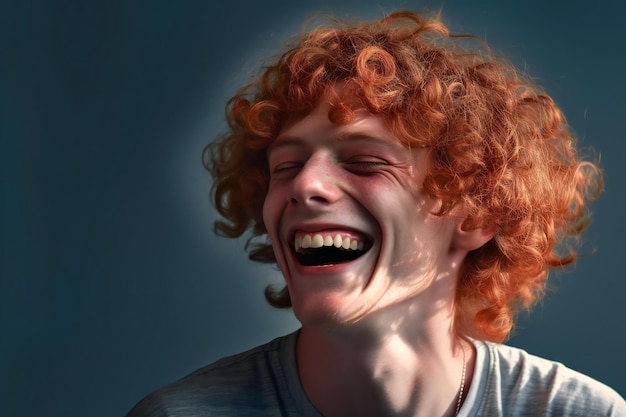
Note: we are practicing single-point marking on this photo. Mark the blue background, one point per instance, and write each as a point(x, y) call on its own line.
point(112, 283)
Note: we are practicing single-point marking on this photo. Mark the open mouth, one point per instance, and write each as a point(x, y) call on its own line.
point(321, 249)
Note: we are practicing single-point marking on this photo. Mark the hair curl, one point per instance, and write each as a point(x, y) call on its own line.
point(498, 146)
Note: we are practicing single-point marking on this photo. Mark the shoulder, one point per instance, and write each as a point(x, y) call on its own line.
point(527, 382)
point(235, 385)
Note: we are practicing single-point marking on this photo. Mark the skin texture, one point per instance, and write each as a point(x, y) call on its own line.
point(378, 329)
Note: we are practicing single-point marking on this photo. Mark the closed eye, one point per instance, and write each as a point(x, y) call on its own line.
point(286, 167)
point(365, 166)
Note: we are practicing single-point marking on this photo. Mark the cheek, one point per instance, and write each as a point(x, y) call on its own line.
point(271, 210)
point(267, 214)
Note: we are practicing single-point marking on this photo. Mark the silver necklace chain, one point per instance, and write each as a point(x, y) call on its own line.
point(460, 400)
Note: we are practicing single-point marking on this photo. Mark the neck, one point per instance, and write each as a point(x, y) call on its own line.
point(382, 366)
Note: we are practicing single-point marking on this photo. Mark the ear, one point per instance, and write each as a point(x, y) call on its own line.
point(469, 237)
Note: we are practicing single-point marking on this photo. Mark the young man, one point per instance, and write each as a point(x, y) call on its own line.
point(414, 192)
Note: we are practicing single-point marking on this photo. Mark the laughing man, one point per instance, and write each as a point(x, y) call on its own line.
point(414, 190)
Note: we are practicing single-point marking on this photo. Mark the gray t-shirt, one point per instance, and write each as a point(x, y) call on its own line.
point(264, 382)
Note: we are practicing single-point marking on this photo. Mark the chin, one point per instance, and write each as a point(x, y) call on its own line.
point(330, 311)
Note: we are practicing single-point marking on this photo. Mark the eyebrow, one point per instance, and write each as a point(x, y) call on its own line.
point(284, 141)
point(287, 141)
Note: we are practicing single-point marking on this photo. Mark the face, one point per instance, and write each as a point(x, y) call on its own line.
point(350, 228)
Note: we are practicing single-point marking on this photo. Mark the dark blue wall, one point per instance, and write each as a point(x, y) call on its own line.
point(111, 281)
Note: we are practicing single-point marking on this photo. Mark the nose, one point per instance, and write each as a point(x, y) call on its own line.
point(316, 183)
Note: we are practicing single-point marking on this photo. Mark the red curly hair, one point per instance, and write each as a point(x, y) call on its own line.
point(498, 146)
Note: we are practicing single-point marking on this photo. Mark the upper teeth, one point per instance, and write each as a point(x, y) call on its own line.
point(318, 240)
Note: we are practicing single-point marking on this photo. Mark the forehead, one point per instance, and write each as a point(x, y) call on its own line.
point(316, 127)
